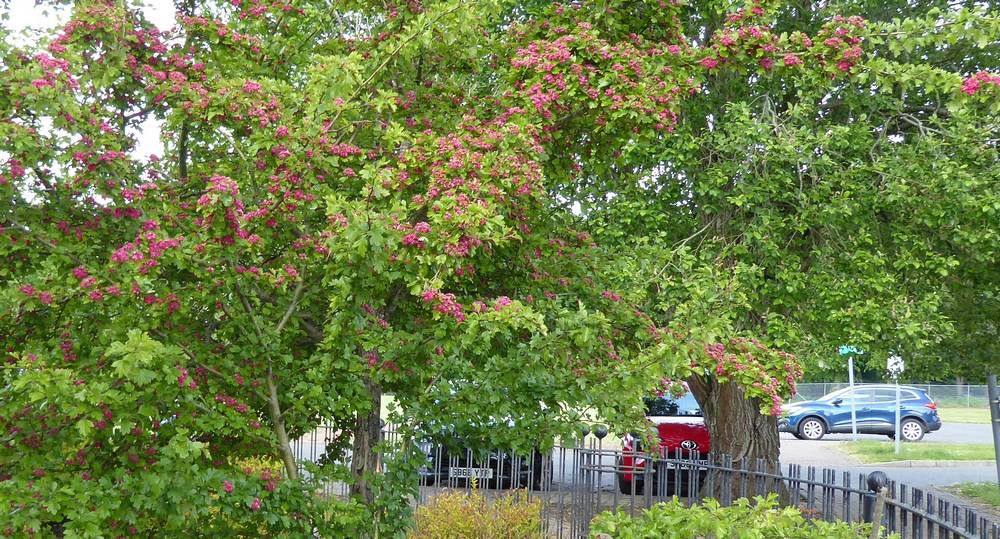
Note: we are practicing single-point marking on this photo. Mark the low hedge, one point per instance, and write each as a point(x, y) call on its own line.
point(760, 518)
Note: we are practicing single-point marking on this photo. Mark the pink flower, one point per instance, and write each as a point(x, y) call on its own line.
point(255, 506)
point(282, 131)
point(607, 294)
point(79, 272)
point(969, 87)
point(709, 63)
point(251, 87)
point(502, 302)
point(792, 60)
point(422, 227)
point(413, 240)
point(39, 472)
point(844, 65)
point(42, 83)
point(767, 63)
point(45, 298)
point(28, 290)
point(227, 486)
point(88, 282)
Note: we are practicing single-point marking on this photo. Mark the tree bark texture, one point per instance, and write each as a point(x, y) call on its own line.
point(739, 430)
point(367, 434)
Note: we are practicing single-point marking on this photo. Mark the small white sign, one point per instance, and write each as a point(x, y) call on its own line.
point(895, 365)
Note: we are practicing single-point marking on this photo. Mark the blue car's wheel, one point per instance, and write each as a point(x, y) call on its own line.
point(812, 428)
point(912, 429)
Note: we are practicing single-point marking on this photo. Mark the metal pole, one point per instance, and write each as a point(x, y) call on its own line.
point(994, 392)
point(899, 435)
point(850, 380)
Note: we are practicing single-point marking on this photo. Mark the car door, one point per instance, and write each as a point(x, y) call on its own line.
point(880, 414)
point(840, 414)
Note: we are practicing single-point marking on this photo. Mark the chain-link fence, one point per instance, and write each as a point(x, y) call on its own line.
point(946, 395)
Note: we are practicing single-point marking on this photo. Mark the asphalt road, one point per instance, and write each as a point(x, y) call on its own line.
point(956, 433)
point(824, 454)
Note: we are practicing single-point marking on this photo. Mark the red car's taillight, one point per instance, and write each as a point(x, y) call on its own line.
point(932, 405)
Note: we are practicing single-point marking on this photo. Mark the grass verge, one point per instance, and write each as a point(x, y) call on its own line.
point(871, 451)
point(965, 415)
point(984, 493)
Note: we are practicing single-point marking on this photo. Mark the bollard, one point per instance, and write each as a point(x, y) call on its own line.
point(876, 482)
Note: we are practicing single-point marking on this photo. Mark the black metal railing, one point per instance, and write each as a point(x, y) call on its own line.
point(575, 482)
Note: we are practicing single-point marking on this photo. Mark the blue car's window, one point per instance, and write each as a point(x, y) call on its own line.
point(858, 396)
point(846, 396)
point(889, 395)
point(667, 406)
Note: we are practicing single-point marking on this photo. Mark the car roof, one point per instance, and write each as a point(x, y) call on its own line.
point(886, 386)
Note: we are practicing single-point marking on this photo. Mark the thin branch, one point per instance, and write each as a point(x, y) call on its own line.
point(291, 306)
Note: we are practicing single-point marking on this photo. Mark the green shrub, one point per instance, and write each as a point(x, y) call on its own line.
point(469, 515)
point(761, 519)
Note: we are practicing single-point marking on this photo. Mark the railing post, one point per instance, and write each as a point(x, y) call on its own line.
point(876, 482)
point(994, 395)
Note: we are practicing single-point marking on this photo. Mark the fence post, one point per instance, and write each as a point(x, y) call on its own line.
point(877, 516)
point(994, 401)
point(876, 482)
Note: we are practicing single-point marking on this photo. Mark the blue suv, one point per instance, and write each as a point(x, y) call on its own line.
point(875, 410)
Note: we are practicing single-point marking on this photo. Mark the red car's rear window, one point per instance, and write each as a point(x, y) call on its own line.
point(669, 406)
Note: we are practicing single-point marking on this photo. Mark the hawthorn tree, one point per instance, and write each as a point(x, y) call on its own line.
point(351, 200)
point(813, 212)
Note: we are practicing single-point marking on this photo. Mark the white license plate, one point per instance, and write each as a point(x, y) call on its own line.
point(478, 473)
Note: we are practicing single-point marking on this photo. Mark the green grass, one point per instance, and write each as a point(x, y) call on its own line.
point(965, 415)
point(870, 451)
point(984, 493)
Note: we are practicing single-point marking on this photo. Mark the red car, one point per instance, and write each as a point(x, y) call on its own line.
point(682, 431)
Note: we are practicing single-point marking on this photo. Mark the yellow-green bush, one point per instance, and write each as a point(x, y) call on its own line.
point(469, 515)
point(761, 518)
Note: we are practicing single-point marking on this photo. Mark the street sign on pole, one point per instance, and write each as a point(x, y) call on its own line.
point(850, 351)
point(854, 412)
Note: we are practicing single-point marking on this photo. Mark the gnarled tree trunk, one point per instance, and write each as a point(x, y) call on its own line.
point(367, 434)
point(738, 429)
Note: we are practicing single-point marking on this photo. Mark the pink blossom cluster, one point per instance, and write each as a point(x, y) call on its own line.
point(413, 240)
point(463, 247)
point(222, 30)
point(607, 294)
point(444, 303)
point(232, 403)
point(184, 379)
point(745, 362)
point(973, 84)
point(45, 298)
point(52, 69)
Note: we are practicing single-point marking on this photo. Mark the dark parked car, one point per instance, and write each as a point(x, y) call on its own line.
point(680, 426)
point(875, 412)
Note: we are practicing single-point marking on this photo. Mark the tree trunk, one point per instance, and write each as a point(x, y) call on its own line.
point(367, 434)
point(738, 430)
